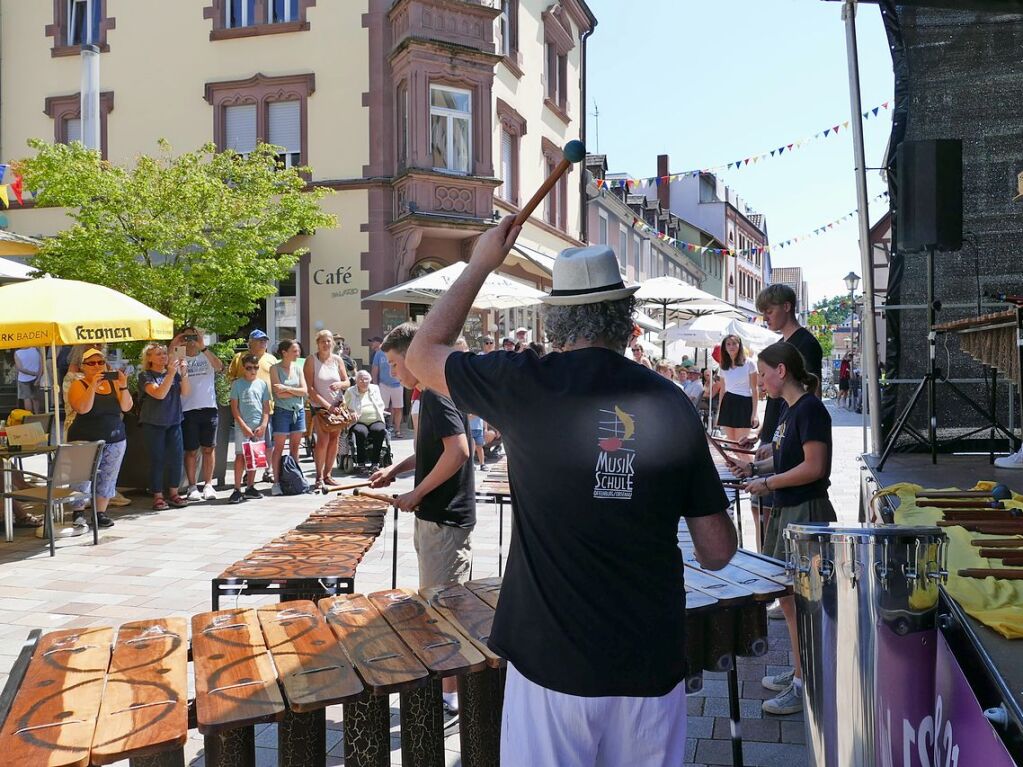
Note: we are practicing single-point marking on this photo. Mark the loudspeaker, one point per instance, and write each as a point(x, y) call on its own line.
point(929, 213)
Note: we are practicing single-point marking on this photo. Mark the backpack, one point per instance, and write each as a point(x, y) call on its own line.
point(291, 479)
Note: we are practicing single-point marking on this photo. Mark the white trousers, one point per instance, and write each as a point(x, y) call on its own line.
point(543, 728)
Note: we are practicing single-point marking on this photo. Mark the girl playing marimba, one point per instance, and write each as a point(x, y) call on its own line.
point(798, 474)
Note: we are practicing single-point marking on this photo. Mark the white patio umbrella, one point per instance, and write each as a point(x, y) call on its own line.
point(645, 321)
point(14, 270)
point(681, 298)
point(498, 292)
point(706, 333)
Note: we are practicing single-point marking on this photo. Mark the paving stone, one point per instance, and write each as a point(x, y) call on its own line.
point(793, 732)
point(700, 726)
point(748, 709)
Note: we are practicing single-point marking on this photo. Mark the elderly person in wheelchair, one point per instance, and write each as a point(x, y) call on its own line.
point(366, 403)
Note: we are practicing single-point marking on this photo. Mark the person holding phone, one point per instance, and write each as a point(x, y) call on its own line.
point(100, 399)
point(199, 407)
point(162, 383)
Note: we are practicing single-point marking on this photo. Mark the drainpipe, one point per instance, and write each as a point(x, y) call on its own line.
point(583, 199)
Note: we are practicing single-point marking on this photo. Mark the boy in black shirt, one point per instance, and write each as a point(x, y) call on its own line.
point(604, 456)
point(444, 497)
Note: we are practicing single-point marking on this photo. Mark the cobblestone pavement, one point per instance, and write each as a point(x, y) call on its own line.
point(159, 563)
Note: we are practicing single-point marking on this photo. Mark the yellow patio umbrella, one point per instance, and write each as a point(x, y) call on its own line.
point(52, 312)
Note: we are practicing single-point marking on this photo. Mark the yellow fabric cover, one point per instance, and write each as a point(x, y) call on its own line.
point(17, 416)
point(995, 602)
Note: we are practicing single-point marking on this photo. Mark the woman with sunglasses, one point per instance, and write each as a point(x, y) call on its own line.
point(161, 384)
point(100, 400)
point(639, 355)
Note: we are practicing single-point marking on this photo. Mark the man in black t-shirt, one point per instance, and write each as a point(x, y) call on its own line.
point(444, 496)
point(604, 457)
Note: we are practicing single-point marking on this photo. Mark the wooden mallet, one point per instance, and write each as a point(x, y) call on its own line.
point(341, 488)
point(574, 151)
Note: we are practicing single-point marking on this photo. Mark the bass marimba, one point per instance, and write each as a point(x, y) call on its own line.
point(318, 557)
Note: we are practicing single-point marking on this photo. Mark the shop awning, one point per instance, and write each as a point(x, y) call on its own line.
point(542, 260)
point(12, 244)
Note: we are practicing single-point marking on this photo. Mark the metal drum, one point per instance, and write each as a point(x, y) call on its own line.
point(866, 599)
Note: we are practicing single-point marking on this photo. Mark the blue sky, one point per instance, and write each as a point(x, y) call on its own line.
point(712, 81)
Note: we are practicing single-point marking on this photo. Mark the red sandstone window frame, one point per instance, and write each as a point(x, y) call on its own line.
point(59, 28)
point(514, 124)
point(556, 209)
point(63, 108)
point(261, 91)
point(217, 13)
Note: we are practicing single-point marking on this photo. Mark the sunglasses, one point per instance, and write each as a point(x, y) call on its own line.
point(95, 362)
point(252, 368)
point(488, 343)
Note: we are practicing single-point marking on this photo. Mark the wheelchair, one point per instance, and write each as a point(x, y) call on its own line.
point(347, 451)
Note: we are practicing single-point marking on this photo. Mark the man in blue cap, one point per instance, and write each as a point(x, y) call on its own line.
point(258, 341)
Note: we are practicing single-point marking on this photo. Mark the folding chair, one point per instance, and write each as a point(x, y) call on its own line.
point(73, 463)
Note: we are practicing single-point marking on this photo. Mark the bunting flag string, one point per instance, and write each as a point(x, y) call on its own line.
point(634, 183)
point(693, 247)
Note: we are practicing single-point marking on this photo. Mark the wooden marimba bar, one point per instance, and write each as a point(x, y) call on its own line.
point(93, 696)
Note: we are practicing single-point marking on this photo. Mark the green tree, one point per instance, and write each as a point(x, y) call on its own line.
point(821, 329)
point(835, 310)
point(195, 236)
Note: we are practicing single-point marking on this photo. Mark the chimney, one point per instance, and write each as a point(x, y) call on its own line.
point(663, 192)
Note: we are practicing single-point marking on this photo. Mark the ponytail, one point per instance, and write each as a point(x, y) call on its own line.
point(783, 353)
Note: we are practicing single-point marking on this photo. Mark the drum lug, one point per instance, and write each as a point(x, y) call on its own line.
point(826, 569)
point(944, 621)
point(804, 565)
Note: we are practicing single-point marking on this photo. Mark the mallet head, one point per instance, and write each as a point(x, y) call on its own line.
point(574, 151)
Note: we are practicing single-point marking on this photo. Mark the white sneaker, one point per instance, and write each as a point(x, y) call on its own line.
point(208, 493)
point(788, 701)
point(193, 494)
point(276, 490)
point(1014, 461)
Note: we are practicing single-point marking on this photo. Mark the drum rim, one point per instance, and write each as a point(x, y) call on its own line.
point(864, 530)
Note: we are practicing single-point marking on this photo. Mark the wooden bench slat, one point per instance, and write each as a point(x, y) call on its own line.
point(697, 600)
point(762, 588)
point(53, 716)
point(436, 643)
point(358, 525)
point(384, 662)
point(283, 572)
point(467, 613)
point(145, 703)
point(235, 682)
point(311, 665)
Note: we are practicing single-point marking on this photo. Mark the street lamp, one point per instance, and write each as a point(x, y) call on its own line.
point(852, 281)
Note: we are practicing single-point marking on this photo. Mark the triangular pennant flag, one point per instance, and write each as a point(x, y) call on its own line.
point(845, 124)
point(600, 183)
point(3, 170)
point(746, 161)
point(826, 132)
point(755, 160)
point(885, 105)
point(738, 163)
point(730, 166)
point(781, 150)
point(790, 147)
point(3, 196)
point(17, 189)
point(874, 110)
point(773, 151)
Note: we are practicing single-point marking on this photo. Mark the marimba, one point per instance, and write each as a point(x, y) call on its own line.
point(996, 341)
point(93, 696)
point(318, 557)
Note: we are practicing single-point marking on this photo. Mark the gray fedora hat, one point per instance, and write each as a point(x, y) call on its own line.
point(587, 276)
